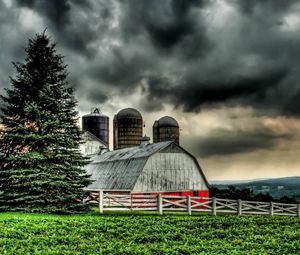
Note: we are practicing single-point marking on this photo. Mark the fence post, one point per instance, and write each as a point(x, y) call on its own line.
point(271, 208)
point(160, 204)
point(240, 204)
point(189, 205)
point(101, 201)
point(298, 210)
point(214, 206)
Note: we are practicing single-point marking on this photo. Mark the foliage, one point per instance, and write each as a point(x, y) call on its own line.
point(287, 187)
point(246, 194)
point(148, 234)
point(41, 168)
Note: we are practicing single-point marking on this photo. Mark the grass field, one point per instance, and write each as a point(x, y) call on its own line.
point(148, 234)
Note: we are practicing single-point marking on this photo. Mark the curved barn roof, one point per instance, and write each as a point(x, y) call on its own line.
point(120, 169)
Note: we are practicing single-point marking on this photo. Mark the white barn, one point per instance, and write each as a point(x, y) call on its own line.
point(163, 167)
point(91, 144)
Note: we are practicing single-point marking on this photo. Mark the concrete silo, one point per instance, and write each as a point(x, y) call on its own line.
point(97, 124)
point(166, 129)
point(128, 128)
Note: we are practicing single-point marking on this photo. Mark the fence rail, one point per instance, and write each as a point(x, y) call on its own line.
point(118, 202)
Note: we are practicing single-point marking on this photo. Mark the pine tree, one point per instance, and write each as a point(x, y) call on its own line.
point(41, 168)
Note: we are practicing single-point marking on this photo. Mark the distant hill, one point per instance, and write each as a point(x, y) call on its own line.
point(278, 187)
point(229, 182)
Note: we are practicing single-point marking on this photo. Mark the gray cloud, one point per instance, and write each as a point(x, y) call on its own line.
point(184, 59)
point(171, 26)
point(239, 89)
point(121, 70)
point(228, 142)
point(57, 11)
point(250, 6)
point(70, 21)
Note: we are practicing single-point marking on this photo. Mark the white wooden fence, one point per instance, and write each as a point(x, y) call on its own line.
point(116, 202)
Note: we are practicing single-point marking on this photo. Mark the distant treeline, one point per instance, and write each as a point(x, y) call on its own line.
point(247, 194)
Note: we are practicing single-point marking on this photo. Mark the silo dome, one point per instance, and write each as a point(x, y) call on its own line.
point(129, 113)
point(167, 121)
point(166, 129)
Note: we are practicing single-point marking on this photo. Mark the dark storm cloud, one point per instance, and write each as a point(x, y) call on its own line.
point(176, 48)
point(12, 43)
point(150, 33)
point(171, 26)
point(248, 6)
point(226, 142)
point(194, 94)
point(97, 96)
point(70, 30)
point(121, 71)
point(228, 80)
point(156, 32)
point(56, 10)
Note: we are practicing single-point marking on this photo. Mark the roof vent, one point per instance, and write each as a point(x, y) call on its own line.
point(145, 141)
point(102, 150)
point(96, 111)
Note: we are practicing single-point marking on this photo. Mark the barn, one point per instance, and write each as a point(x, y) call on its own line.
point(91, 144)
point(163, 167)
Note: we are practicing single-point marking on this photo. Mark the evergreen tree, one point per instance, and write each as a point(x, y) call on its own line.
point(41, 168)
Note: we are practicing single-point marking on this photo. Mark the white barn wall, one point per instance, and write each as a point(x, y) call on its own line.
point(90, 147)
point(91, 144)
point(170, 172)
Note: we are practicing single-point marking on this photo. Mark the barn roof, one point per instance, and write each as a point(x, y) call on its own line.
point(119, 169)
point(93, 137)
point(131, 153)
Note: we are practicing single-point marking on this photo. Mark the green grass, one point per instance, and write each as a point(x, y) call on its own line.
point(148, 234)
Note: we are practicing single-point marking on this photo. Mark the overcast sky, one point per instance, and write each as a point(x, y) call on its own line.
point(227, 70)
